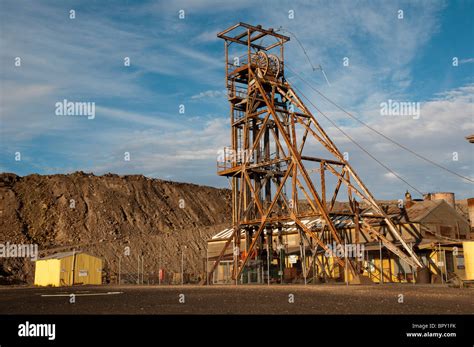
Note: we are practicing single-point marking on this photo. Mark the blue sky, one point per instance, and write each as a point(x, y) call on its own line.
point(180, 62)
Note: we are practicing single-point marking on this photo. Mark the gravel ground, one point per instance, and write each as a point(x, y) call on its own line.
point(316, 299)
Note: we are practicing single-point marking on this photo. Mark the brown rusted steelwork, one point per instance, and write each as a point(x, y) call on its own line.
point(267, 162)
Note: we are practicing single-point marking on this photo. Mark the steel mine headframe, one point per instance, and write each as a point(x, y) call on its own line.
point(275, 182)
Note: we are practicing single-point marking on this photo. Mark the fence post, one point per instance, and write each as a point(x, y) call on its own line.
point(120, 269)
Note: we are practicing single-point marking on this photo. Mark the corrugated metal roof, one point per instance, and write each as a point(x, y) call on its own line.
point(420, 210)
point(416, 213)
point(224, 234)
point(340, 222)
point(60, 255)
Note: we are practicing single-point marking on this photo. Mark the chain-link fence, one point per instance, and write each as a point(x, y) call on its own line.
point(137, 270)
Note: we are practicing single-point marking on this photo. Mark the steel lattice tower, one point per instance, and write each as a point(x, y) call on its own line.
point(276, 179)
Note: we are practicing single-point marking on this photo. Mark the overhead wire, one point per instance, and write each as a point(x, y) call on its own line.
point(432, 162)
point(377, 131)
point(359, 145)
point(334, 124)
point(300, 44)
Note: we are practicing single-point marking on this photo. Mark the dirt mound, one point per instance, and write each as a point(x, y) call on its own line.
point(103, 215)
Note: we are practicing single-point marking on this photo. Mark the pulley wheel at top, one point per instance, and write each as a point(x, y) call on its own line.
point(274, 65)
point(261, 62)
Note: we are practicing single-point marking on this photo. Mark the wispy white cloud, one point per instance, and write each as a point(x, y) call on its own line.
point(466, 61)
point(390, 176)
point(438, 135)
point(160, 121)
point(209, 94)
point(208, 35)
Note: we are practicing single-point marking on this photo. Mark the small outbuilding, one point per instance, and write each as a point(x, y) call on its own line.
point(68, 268)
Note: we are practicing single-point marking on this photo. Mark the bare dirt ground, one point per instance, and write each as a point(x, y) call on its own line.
point(316, 299)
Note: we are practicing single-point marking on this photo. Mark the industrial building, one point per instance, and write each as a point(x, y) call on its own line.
point(438, 234)
point(68, 268)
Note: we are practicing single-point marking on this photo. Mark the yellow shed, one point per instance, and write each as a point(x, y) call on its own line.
point(68, 268)
point(468, 247)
